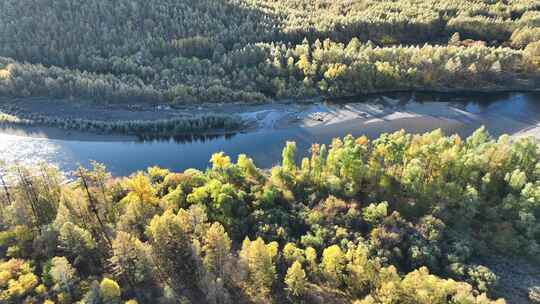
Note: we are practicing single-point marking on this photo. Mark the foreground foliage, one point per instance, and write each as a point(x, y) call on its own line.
point(399, 219)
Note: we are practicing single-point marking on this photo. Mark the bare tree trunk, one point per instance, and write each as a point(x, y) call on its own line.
point(32, 199)
point(6, 189)
point(93, 207)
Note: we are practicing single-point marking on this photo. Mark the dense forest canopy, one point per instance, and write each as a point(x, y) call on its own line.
point(182, 51)
point(399, 219)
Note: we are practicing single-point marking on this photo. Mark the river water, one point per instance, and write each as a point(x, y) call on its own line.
point(511, 113)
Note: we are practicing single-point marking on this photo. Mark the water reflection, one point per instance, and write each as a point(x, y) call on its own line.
point(184, 138)
point(31, 151)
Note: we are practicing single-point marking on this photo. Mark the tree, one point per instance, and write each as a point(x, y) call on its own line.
point(62, 274)
point(455, 39)
point(141, 204)
point(174, 254)
point(78, 242)
point(217, 263)
point(93, 295)
point(291, 253)
point(361, 271)
point(16, 280)
point(521, 37)
point(288, 155)
point(110, 291)
point(220, 161)
point(248, 167)
point(258, 259)
point(533, 53)
point(450, 195)
point(216, 248)
point(482, 278)
point(375, 213)
point(131, 259)
point(311, 259)
point(333, 265)
point(140, 189)
point(85, 180)
point(295, 279)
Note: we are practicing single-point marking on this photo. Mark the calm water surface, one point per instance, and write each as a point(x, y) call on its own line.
point(501, 113)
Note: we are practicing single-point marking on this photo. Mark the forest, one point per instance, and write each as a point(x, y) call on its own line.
point(401, 218)
point(179, 51)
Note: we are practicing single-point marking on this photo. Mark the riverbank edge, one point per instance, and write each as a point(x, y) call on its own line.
point(215, 121)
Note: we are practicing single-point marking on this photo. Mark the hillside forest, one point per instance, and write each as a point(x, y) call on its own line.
point(179, 51)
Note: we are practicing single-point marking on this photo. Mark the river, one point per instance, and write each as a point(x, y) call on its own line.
point(512, 113)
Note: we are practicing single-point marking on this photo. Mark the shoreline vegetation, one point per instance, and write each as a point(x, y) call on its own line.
point(401, 218)
point(208, 124)
point(529, 86)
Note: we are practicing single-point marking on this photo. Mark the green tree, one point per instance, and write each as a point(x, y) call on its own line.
point(361, 271)
point(288, 155)
point(375, 213)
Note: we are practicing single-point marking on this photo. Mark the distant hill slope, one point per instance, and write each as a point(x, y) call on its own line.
point(225, 50)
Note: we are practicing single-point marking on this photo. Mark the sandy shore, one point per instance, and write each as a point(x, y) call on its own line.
point(514, 114)
point(387, 115)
